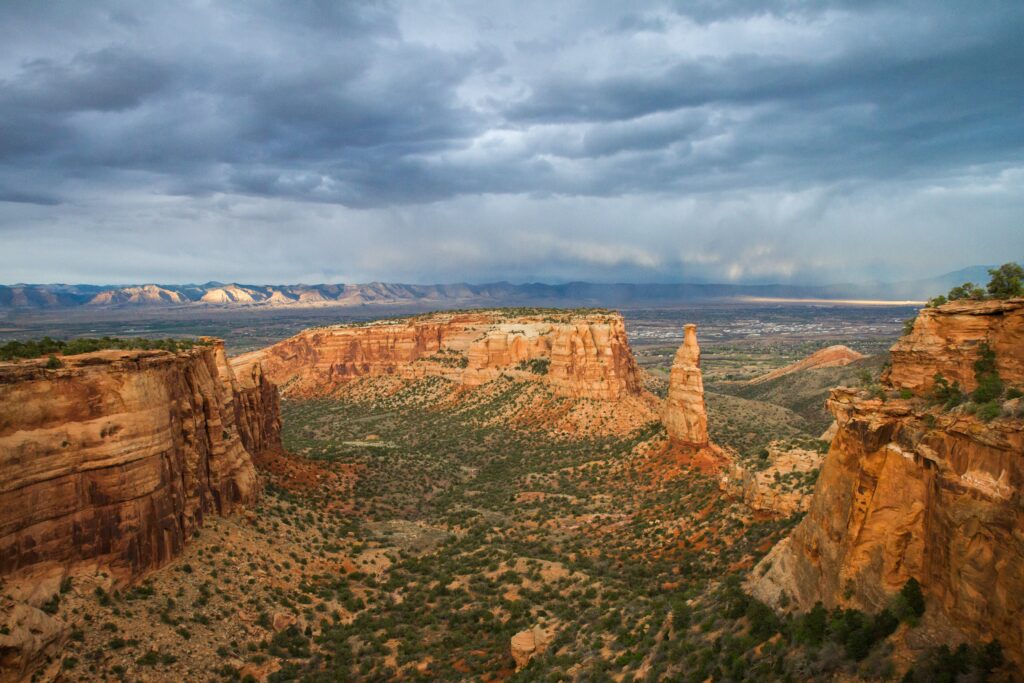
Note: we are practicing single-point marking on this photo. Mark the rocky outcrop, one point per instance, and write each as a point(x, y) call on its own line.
point(830, 357)
point(782, 488)
point(117, 457)
point(908, 490)
point(945, 340)
point(685, 416)
point(528, 644)
point(579, 355)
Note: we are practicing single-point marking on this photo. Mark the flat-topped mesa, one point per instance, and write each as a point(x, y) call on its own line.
point(115, 458)
point(577, 354)
point(914, 489)
point(946, 340)
point(685, 416)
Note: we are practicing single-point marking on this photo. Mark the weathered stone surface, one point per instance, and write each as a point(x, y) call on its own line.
point(30, 644)
point(909, 491)
point(118, 456)
point(587, 355)
point(528, 644)
point(830, 357)
point(946, 339)
point(781, 487)
point(685, 416)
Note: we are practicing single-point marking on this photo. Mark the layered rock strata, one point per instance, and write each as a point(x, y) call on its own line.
point(116, 457)
point(577, 355)
point(685, 416)
point(945, 340)
point(909, 490)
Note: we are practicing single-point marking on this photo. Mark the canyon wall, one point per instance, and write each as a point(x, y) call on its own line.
point(579, 355)
point(945, 340)
point(116, 457)
point(685, 416)
point(911, 490)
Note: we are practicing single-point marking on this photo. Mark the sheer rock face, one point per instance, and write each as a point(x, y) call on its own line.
point(909, 491)
point(587, 355)
point(685, 416)
point(946, 339)
point(115, 458)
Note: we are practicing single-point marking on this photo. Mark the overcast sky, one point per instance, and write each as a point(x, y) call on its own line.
point(440, 141)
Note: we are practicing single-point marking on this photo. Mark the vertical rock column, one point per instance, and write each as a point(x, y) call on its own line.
point(685, 417)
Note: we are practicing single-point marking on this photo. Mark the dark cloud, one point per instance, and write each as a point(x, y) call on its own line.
point(451, 132)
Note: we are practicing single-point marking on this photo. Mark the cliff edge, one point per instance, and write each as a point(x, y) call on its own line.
point(577, 354)
point(914, 488)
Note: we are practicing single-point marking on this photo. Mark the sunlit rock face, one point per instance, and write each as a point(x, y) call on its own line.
point(116, 457)
point(685, 416)
point(945, 340)
point(910, 490)
point(576, 354)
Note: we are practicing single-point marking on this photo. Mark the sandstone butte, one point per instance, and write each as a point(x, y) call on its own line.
point(109, 464)
point(830, 357)
point(576, 354)
point(685, 416)
point(909, 490)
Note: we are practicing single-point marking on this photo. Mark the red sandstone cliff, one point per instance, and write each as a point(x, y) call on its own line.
point(685, 416)
point(586, 355)
point(117, 456)
point(909, 490)
point(945, 340)
point(109, 464)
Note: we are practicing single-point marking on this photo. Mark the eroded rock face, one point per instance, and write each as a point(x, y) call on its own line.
point(946, 339)
point(910, 491)
point(782, 488)
point(117, 457)
point(577, 355)
point(685, 416)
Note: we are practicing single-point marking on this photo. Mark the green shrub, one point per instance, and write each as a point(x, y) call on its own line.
point(989, 411)
point(967, 290)
point(990, 386)
point(1007, 281)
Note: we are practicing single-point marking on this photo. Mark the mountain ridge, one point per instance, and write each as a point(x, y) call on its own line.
point(214, 293)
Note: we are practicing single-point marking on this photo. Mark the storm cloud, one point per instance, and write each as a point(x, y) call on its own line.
point(444, 141)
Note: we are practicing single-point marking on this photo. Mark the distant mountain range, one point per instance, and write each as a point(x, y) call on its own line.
point(217, 294)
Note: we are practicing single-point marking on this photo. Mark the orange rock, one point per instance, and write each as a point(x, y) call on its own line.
point(830, 357)
point(945, 340)
point(528, 644)
point(907, 491)
point(685, 416)
point(118, 456)
point(577, 355)
point(772, 489)
point(30, 644)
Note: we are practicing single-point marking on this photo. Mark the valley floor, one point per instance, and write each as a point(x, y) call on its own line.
point(412, 534)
